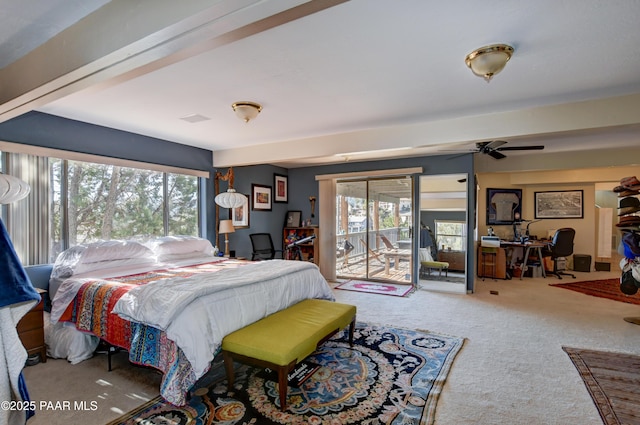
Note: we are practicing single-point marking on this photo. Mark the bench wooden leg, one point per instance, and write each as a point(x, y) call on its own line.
point(352, 327)
point(283, 383)
point(228, 366)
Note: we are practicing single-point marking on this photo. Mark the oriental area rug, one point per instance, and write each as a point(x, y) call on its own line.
point(605, 288)
point(613, 381)
point(389, 376)
point(377, 288)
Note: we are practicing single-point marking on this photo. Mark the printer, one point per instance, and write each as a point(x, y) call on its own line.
point(490, 241)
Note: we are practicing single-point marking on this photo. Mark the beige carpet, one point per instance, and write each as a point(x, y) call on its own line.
point(511, 370)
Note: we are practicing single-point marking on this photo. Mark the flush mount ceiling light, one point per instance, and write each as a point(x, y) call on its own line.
point(487, 61)
point(246, 111)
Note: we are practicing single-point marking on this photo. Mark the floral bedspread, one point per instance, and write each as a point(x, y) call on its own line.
point(148, 346)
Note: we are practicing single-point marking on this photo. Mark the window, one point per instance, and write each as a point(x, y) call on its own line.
point(450, 235)
point(90, 201)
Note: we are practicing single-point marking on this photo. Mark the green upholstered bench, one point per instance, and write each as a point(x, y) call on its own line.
point(282, 339)
point(438, 265)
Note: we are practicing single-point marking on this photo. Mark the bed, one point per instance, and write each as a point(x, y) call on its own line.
point(170, 302)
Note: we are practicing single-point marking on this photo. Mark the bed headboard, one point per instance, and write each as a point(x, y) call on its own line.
point(39, 276)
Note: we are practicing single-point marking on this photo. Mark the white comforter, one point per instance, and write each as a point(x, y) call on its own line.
point(197, 312)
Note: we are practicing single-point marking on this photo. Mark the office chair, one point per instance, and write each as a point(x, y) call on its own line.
point(561, 246)
point(263, 248)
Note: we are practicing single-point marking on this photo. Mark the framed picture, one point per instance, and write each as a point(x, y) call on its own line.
point(504, 206)
point(240, 216)
point(261, 197)
point(293, 219)
point(559, 204)
point(281, 188)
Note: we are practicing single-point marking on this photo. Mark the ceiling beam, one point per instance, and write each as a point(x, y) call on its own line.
point(125, 39)
point(541, 121)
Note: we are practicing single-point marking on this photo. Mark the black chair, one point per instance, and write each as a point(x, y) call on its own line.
point(561, 246)
point(263, 248)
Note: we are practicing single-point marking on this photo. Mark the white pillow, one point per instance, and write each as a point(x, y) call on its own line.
point(101, 266)
point(180, 245)
point(114, 250)
point(100, 255)
point(425, 255)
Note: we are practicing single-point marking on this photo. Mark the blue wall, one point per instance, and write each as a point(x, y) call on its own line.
point(259, 221)
point(50, 131)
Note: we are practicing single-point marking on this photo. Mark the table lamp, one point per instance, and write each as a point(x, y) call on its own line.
point(226, 227)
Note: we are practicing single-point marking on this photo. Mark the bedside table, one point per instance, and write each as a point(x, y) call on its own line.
point(31, 330)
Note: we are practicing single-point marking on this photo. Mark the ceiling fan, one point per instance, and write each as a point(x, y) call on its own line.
point(494, 148)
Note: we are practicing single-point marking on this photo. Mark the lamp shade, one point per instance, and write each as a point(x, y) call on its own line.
point(226, 226)
point(12, 189)
point(230, 199)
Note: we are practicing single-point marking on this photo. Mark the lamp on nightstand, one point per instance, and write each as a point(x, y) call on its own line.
point(226, 227)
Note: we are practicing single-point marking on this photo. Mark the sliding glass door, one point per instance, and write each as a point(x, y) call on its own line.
point(374, 229)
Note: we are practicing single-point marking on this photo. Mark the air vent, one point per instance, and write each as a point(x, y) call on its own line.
point(193, 118)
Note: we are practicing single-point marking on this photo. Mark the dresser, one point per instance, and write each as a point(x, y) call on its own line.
point(456, 259)
point(31, 330)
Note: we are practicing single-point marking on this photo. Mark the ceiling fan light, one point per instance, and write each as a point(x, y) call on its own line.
point(246, 111)
point(488, 61)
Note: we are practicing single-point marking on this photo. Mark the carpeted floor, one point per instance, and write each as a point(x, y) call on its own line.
point(604, 288)
point(391, 375)
point(377, 288)
point(613, 381)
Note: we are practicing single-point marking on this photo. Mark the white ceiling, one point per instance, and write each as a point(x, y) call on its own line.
point(349, 82)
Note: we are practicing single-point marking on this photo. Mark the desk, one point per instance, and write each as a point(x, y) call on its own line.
point(401, 254)
point(527, 247)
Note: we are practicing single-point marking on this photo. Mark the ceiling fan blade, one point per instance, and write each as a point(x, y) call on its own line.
point(495, 154)
point(521, 148)
point(495, 144)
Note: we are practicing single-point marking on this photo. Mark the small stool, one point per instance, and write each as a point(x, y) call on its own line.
point(492, 253)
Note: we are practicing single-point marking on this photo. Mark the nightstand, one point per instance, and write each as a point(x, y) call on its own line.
point(31, 330)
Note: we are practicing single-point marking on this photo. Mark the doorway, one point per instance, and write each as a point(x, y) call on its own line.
point(443, 232)
point(374, 237)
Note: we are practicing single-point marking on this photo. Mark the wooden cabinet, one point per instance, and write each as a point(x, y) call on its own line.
point(31, 330)
point(456, 259)
point(492, 262)
point(308, 250)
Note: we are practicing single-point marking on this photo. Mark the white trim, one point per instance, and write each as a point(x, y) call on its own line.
point(98, 159)
point(371, 173)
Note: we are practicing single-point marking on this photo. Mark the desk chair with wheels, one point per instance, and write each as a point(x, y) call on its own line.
point(263, 248)
point(561, 246)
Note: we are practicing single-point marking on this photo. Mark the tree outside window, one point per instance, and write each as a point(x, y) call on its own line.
point(450, 234)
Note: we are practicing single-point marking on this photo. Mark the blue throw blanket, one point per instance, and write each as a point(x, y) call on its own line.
point(17, 297)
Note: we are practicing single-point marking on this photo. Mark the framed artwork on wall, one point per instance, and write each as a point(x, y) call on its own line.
point(240, 215)
point(293, 219)
point(281, 188)
point(559, 204)
point(504, 206)
point(260, 197)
